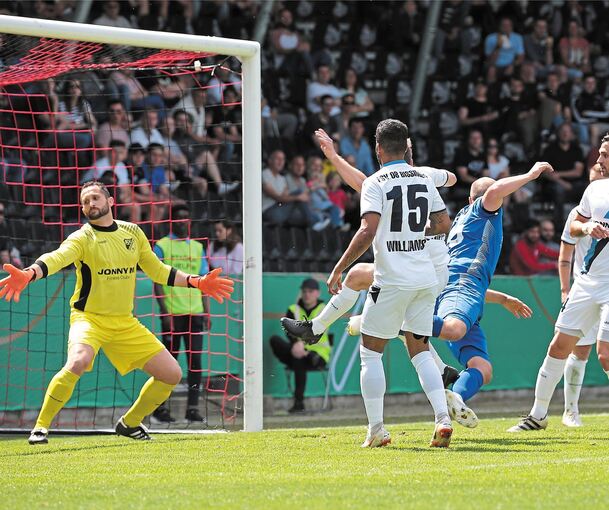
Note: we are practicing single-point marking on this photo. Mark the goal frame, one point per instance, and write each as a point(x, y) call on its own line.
point(248, 53)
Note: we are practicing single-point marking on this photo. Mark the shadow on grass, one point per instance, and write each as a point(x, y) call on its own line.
point(44, 450)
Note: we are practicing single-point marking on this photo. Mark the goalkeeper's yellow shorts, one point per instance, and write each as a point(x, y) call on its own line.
point(126, 342)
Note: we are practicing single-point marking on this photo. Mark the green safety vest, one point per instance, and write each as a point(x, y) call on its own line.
point(322, 348)
point(185, 256)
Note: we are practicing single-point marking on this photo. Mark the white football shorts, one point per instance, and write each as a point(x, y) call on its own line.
point(389, 309)
point(588, 301)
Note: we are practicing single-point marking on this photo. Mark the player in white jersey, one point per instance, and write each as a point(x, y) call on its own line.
point(396, 204)
point(575, 369)
point(588, 298)
point(361, 275)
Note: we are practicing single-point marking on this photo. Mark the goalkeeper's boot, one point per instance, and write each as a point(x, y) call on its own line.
point(303, 330)
point(571, 419)
point(193, 415)
point(449, 375)
point(140, 432)
point(459, 412)
point(161, 416)
point(38, 436)
point(377, 436)
point(529, 424)
point(442, 434)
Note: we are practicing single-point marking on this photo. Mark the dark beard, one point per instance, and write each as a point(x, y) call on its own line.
point(98, 213)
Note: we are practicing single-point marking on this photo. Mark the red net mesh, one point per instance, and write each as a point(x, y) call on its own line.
point(161, 128)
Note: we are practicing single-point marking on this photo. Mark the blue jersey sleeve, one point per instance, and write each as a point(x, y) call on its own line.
point(479, 210)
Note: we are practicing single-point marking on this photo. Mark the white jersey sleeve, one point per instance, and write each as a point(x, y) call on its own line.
point(595, 205)
point(437, 204)
point(584, 205)
point(438, 176)
point(566, 236)
point(371, 198)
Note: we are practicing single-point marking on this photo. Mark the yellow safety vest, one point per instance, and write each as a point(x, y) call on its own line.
point(322, 348)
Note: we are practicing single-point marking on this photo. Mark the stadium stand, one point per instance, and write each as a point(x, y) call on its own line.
point(519, 72)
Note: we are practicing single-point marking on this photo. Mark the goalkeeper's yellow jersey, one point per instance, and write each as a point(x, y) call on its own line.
point(106, 260)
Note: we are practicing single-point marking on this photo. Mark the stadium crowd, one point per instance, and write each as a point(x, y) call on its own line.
point(508, 83)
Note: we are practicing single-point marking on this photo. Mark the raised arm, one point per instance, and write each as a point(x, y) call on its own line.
point(351, 175)
point(493, 197)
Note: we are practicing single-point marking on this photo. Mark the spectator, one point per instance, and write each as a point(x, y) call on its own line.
point(226, 250)
point(323, 208)
point(547, 234)
point(321, 120)
point(116, 128)
point(199, 159)
point(477, 112)
point(278, 206)
point(575, 51)
point(470, 163)
point(567, 182)
point(498, 165)
point(504, 49)
point(347, 103)
point(194, 103)
point(356, 145)
point(227, 124)
point(111, 16)
point(519, 115)
point(157, 174)
point(113, 164)
point(336, 193)
point(297, 183)
point(185, 312)
point(147, 131)
point(319, 90)
point(294, 353)
point(590, 111)
point(218, 84)
point(363, 105)
point(551, 102)
point(404, 28)
point(538, 48)
point(524, 259)
point(284, 38)
point(133, 94)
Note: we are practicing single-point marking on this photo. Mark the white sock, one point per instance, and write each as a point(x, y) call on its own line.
point(439, 363)
point(338, 305)
point(431, 381)
point(548, 377)
point(372, 381)
point(575, 369)
point(606, 372)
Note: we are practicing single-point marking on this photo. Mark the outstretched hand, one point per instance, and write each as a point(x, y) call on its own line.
point(517, 308)
point(326, 144)
point(213, 285)
point(12, 286)
point(334, 282)
point(539, 168)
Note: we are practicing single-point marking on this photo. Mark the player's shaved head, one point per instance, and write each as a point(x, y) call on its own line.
point(479, 187)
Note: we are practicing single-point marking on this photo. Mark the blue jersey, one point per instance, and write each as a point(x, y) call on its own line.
point(474, 243)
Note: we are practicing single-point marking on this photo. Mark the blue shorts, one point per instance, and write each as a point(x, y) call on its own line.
point(471, 345)
point(462, 298)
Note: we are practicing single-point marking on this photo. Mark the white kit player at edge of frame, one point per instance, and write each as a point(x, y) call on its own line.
point(396, 203)
point(588, 298)
point(575, 369)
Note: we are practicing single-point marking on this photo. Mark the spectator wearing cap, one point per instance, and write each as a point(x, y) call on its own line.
point(525, 256)
point(294, 353)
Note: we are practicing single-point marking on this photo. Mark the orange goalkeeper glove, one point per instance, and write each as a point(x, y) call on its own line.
point(212, 284)
point(14, 283)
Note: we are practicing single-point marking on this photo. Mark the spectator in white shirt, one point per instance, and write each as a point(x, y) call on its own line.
point(227, 250)
point(322, 87)
point(111, 16)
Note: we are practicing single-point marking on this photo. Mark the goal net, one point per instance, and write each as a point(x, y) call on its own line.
point(157, 118)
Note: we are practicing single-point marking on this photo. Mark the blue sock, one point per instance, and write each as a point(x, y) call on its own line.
point(469, 383)
point(438, 322)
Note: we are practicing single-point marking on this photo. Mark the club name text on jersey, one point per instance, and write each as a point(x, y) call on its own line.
point(396, 174)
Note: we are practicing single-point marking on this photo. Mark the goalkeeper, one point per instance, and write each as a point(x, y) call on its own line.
point(106, 254)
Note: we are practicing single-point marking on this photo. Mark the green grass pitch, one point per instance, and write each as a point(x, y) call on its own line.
point(321, 468)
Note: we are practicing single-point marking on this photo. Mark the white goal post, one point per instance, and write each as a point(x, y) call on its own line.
point(248, 53)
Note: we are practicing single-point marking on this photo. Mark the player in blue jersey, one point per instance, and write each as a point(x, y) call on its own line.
point(474, 246)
